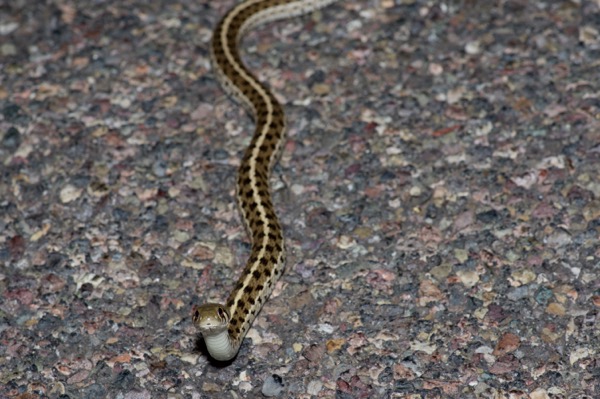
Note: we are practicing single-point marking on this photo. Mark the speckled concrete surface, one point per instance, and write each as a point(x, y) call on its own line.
point(439, 190)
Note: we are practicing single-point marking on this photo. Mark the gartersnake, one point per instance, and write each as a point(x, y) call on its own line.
point(224, 326)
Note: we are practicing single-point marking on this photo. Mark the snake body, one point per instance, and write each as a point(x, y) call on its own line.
point(223, 327)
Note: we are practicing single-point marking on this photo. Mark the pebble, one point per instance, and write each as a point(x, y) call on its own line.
point(69, 193)
point(314, 387)
point(468, 277)
point(8, 49)
point(273, 386)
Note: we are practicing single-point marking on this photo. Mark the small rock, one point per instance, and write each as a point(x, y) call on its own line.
point(69, 193)
point(488, 216)
point(559, 238)
point(273, 386)
point(314, 353)
point(523, 276)
point(159, 168)
point(8, 49)
point(12, 138)
point(556, 309)
point(508, 343)
point(314, 387)
point(472, 48)
point(468, 277)
point(321, 89)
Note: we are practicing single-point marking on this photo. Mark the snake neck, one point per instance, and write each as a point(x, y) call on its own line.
point(220, 346)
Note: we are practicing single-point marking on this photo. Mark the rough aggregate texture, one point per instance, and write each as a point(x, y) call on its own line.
point(438, 189)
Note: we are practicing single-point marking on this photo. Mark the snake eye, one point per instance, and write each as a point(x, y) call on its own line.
point(222, 314)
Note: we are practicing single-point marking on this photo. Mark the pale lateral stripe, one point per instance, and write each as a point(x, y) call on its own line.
point(265, 128)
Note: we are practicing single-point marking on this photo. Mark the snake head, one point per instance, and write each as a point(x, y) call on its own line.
point(211, 318)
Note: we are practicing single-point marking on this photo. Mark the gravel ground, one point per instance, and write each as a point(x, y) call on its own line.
point(439, 191)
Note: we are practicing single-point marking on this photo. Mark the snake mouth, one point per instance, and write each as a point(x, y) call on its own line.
point(211, 329)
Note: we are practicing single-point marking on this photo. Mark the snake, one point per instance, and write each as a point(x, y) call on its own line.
point(224, 326)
